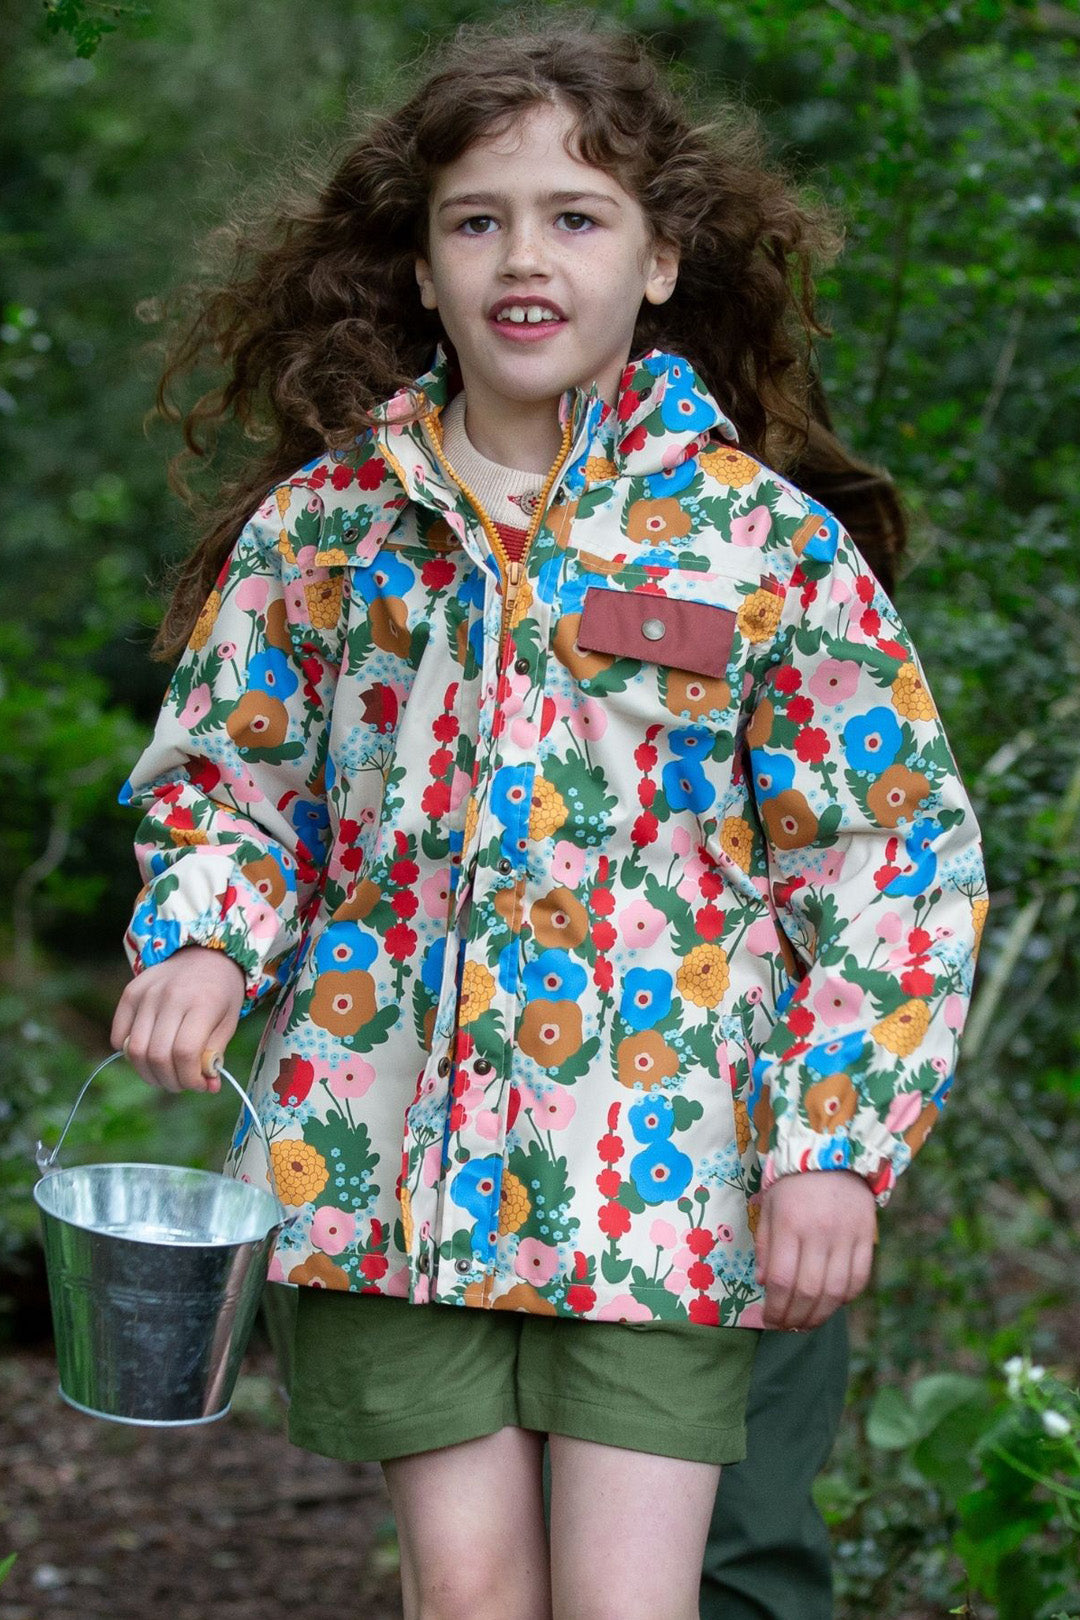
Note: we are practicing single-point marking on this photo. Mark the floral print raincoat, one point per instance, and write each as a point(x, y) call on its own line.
point(593, 892)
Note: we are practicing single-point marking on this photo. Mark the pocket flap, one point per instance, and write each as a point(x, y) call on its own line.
point(638, 624)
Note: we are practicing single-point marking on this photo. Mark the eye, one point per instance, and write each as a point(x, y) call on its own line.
point(476, 219)
point(575, 222)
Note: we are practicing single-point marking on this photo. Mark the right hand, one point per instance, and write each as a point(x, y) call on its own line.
point(178, 1012)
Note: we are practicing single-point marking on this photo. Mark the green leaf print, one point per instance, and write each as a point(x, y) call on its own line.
point(374, 1032)
point(572, 1068)
point(687, 1109)
point(307, 528)
point(700, 1039)
point(339, 1144)
point(534, 1164)
point(656, 1298)
point(614, 1269)
point(629, 1197)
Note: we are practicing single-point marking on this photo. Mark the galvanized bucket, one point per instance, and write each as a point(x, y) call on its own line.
point(155, 1274)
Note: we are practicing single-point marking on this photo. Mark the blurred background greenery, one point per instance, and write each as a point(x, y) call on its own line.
point(947, 135)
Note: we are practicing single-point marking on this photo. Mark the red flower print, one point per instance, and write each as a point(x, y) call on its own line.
point(700, 1275)
point(603, 936)
point(603, 974)
point(372, 473)
point(812, 744)
point(405, 904)
point(645, 829)
point(457, 1117)
point(446, 728)
point(629, 401)
point(435, 800)
point(919, 941)
point(884, 876)
point(809, 594)
point(374, 1266)
point(379, 707)
point(917, 982)
point(352, 859)
point(348, 831)
point(603, 902)
point(294, 1081)
point(614, 1220)
point(711, 884)
point(705, 1310)
point(180, 818)
point(786, 679)
point(400, 942)
point(580, 1298)
point(341, 477)
point(547, 716)
point(645, 756)
point(782, 892)
point(440, 762)
point(610, 1148)
point(699, 1240)
point(870, 622)
point(437, 573)
point(608, 1183)
point(316, 479)
point(893, 648)
point(800, 709)
point(800, 1020)
point(404, 872)
point(709, 922)
point(646, 792)
point(634, 440)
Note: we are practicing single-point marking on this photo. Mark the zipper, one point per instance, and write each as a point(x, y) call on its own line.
point(511, 568)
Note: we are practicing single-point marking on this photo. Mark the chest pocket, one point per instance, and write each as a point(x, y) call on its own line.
point(694, 636)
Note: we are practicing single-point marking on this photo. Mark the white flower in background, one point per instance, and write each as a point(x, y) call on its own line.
point(1018, 1371)
point(1056, 1425)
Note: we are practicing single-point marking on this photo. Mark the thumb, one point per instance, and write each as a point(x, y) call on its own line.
point(214, 1054)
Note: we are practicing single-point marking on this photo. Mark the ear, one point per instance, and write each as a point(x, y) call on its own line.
point(663, 273)
point(426, 284)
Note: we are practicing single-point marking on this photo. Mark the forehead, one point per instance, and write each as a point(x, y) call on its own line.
point(535, 151)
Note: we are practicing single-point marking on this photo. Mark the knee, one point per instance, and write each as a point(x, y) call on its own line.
point(470, 1586)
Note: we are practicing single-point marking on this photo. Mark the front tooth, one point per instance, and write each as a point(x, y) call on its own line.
point(517, 315)
point(535, 313)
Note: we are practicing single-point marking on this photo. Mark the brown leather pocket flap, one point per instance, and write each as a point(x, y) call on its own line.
point(638, 624)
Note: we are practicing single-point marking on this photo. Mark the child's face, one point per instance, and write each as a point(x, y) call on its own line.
point(518, 223)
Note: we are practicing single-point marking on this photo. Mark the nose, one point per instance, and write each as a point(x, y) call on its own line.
point(524, 251)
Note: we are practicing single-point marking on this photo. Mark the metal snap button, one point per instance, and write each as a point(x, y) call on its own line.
point(462, 1266)
point(522, 666)
point(444, 1065)
point(505, 866)
point(483, 1066)
point(349, 532)
point(653, 629)
point(424, 1262)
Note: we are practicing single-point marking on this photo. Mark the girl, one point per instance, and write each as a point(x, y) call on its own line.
point(566, 777)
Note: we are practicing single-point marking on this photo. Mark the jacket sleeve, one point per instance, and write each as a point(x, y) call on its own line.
point(876, 873)
point(235, 830)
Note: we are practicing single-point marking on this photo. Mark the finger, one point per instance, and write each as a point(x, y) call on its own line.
point(780, 1277)
point(142, 1035)
point(809, 1282)
point(160, 1048)
point(862, 1264)
point(834, 1288)
point(761, 1243)
point(189, 1046)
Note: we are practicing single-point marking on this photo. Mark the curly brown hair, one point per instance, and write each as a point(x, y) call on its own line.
point(318, 318)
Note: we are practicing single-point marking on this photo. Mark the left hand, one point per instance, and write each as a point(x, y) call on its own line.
point(815, 1245)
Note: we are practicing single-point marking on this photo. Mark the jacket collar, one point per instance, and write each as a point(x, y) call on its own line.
point(663, 415)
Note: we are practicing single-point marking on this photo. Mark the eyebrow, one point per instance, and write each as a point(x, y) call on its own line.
point(488, 198)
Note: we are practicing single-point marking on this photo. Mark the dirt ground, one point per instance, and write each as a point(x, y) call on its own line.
point(222, 1522)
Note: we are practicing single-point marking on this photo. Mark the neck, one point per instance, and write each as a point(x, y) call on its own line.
point(522, 435)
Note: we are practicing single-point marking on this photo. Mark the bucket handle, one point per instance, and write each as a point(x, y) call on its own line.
point(46, 1160)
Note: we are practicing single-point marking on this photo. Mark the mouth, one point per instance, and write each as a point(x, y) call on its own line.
point(526, 318)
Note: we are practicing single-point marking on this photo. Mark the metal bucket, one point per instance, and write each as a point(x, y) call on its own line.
point(155, 1275)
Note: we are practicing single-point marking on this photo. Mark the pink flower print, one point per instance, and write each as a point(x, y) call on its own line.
point(838, 1001)
point(954, 1012)
point(754, 995)
point(663, 1235)
point(276, 1272)
point(940, 1065)
point(675, 1281)
point(197, 706)
point(536, 1261)
point(840, 590)
point(834, 680)
point(242, 785)
point(724, 1234)
point(295, 601)
point(753, 528)
point(305, 561)
point(332, 1229)
point(260, 920)
point(459, 788)
point(681, 843)
point(641, 924)
point(422, 1289)
point(890, 927)
point(251, 594)
point(725, 1065)
point(429, 1167)
point(761, 937)
point(524, 732)
point(350, 1079)
point(624, 1308)
point(516, 690)
point(904, 1110)
point(398, 1284)
point(488, 1125)
point(589, 720)
point(226, 650)
point(555, 1109)
point(435, 893)
point(567, 864)
point(684, 1258)
point(832, 866)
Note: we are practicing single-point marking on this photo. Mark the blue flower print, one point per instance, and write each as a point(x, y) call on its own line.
point(554, 976)
point(646, 997)
point(918, 847)
point(311, 820)
point(822, 544)
point(681, 407)
point(164, 939)
point(661, 1173)
point(831, 1056)
point(686, 785)
point(835, 1154)
point(431, 968)
point(872, 740)
point(652, 1119)
point(387, 576)
point(675, 480)
point(919, 842)
point(510, 794)
point(476, 1186)
point(773, 773)
point(271, 672)
point(688, 742)
point(343, 947)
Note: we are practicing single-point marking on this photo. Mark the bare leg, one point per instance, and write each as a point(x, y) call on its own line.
point(628, 1532)
point(470, 1522)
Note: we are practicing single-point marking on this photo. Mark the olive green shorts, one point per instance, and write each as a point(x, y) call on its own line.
point(374, 1377)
